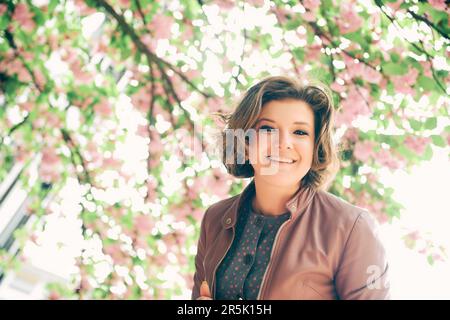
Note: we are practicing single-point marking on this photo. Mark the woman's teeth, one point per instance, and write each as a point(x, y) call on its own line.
point(281, 160)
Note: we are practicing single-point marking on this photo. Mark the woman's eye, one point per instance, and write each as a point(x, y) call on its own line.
point(266, 128)
point(300, 132)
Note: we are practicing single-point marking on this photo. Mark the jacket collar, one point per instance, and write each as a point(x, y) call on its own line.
point(296, 205)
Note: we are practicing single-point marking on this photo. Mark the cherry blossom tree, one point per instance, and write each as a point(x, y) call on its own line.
point(114, 95)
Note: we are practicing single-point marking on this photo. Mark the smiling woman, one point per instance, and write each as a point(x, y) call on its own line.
point(285, 236)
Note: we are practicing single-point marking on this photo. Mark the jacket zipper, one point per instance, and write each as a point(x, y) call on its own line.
point(270, 260)
point(217, 265)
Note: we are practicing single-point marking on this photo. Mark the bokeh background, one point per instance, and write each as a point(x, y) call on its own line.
point(103, 102)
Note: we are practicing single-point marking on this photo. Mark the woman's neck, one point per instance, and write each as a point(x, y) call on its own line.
point(270, 200)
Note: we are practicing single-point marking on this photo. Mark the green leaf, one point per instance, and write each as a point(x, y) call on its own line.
point(320, 74)
point(357, 37)
point(428, 154)
point(299, 53)
point(309, 37)
point(416, 125)
point(426, 83)
point(127, 220)
point(51, 6)
point(438, 141)
point(437, 15)
point(292, 24)
point(391, 68)
point(4, 20)
point(431, 123)
point(430, 259)
point(404, 151)
point(395, 57)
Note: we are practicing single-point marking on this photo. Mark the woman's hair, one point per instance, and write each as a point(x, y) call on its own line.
point(325, 163)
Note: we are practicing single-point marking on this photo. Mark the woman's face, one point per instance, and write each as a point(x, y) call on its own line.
point(282, 151)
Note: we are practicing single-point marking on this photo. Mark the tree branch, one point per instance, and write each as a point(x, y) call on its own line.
point(429, 23)
point(127, 29)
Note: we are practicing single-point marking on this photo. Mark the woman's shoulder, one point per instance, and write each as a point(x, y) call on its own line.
point(218, 208)
point(339, 209)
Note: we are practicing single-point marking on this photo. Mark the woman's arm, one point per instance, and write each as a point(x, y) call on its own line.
point(199, 275)
point(363, 269)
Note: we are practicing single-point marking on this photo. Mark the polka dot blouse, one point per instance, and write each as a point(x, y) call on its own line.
point(241, 271)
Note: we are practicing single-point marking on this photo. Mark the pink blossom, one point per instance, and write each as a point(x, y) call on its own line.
point(375, 19)
point(311, 4)
point(281, 13)
point(40, 79)
point(143, 224)
point(313, 52)
point(351, 134)
point(188, 33)
point(142, 130)
point(438, 4)
point(371, 75)
point(24, 17)
point(181, 91)
point(310, 16)
point(426, 69)
point(411, 76)
point(217, 184)
point(115, 252)
point(363, 150)
point(141, 99)
point(156, 146)
point(49, 156)
point(159, 110)
point(385, 158)
point(394, 5)
point(161, 25)
point(377, 209)
point(414, 235)
point(197, 214)
point(152, 193)
point(197, 187)
point(403, 83)
point(53, 295)
point(256, 3)
point(225, 4)
point(349, 21)
point(417, 144)
point(215, 104)
point(150, 42)
point(103, 108)
point(353, 106)
point(3, 8)
point(84, 9)
point(193, 74)
point(337, 87)
point(354, 68)
point(50, 165)
point(27, 106)
point(79, 75)
point(125, 3)
point(111, 162)
point(141, 243)
point(16, 67)
point(182, 212)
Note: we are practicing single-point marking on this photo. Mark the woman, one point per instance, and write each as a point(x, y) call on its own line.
point(285, 236)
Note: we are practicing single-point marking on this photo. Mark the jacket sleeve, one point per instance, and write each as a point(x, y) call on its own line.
point(363, 270)
point(199, 274)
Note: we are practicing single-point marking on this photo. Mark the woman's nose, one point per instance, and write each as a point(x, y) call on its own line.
point(283, 140)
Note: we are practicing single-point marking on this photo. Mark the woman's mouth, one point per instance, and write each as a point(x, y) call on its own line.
point(281, 160)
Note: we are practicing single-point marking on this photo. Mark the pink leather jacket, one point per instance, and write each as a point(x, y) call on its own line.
point(328, 249)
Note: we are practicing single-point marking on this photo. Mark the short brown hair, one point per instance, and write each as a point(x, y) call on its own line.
point(325, 163)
